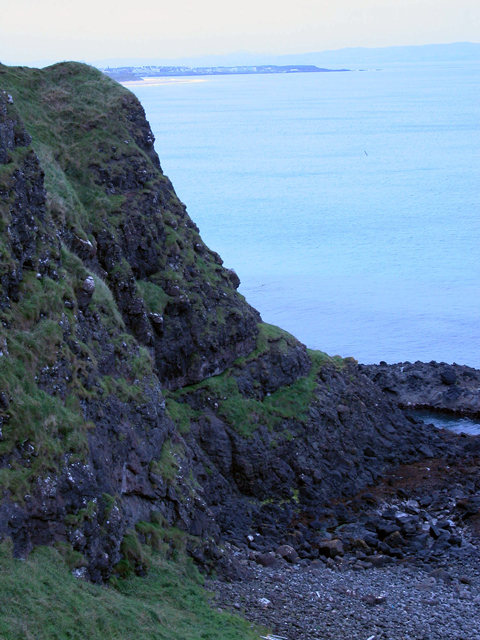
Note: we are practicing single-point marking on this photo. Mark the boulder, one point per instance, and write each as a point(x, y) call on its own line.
point(287, 552)
point(266, 559)
point(85, 293)
point(331, 548)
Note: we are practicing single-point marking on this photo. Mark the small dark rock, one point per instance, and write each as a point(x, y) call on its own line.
point(448, 376)
point(379, 560)
point(373, 600)
point(434, 531)
point(331, 548)
point(266, 559)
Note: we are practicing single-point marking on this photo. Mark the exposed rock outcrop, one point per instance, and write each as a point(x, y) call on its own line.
point(135, 382)
point(434, 385)
point(82, 415)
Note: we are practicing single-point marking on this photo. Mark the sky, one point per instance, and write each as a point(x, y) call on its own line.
point(89, 30)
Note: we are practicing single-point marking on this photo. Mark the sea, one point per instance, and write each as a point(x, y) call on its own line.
point(348, 203)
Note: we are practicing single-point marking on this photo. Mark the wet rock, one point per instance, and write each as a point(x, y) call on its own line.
point(452, 388)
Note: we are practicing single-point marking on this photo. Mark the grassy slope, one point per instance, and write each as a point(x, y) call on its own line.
point(41, 600)
point(77, 115)
point(245, 414)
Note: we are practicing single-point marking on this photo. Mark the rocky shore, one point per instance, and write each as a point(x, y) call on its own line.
point(395, 602)
point(401, 562)
point(437, 386)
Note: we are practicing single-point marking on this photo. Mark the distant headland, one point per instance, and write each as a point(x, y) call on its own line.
point(125, 74)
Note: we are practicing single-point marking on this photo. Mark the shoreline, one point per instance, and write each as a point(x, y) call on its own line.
point(155, 82)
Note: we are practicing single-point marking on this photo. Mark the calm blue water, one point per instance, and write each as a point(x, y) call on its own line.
point(373, 256)
point(450, 422)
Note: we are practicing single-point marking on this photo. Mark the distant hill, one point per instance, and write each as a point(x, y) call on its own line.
point(458, 51)
point(455, 52)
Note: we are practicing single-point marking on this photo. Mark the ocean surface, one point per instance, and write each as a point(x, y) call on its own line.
point(348, 203)
point(471, 426)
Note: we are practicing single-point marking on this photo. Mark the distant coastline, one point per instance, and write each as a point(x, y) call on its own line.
point(137, 74)
point(156, 81)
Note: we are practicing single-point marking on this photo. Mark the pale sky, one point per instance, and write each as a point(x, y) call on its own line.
point(34, 30)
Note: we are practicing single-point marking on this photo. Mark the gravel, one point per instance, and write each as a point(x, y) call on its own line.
point(399, 601)
point(401, 562)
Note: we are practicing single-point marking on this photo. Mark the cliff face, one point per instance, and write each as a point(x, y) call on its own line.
point(82, 416)
point(113, 207)
point(135, 382)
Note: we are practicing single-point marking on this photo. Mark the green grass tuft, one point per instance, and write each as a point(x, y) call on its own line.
point(246, 414)
point(41, 600)
point(153, 295)
point(180, 412)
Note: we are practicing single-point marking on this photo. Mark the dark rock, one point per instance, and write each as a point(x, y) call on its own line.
point(85, 293)
point(395, 540)
point(469, 506)
point(441, 574)
point(448, 376)
point(266, 559)
point(287, 552)
point(373, 600)
point(371, 540)
point(434, 531)
point(386, 529)
point(331, 548)
point(425, 501)
point(234, 279)
point(426, 451)
point(423, 385)
point(379, 560)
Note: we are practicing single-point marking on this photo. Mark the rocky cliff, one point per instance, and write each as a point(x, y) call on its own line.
point(138, 389)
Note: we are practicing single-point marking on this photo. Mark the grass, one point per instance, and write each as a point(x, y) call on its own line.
point(45, 427)
point(104, 304)
point(244, 414)
point(41, 600)
point(123, 390)
point(153, 295)
point(169, 463)
point(40, 424)
point(180, 412)
point(268, 335)
point(86, 138)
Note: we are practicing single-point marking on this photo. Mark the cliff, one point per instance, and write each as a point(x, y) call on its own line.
point(138, 389)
